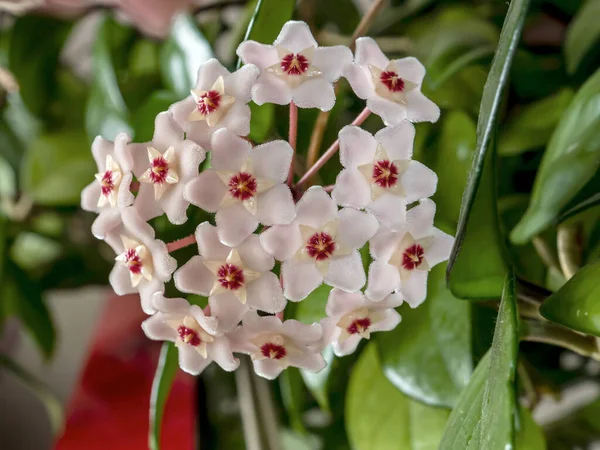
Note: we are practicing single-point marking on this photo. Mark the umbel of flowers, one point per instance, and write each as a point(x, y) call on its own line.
point(381, 197)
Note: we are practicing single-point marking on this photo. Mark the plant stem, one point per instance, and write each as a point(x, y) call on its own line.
point(331, 150)
point(549, 333)
point(181, 243)
point(545, 253)
point(365, 23)
point(292, 138)
point(568, 239)
point(243, 381)
point(267, 412)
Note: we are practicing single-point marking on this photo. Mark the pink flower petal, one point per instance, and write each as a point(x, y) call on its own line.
point(281, 241)
point(174, 204)
point(253, 255)
point(237, 119)
point(420, 108)
point(166, 131)
point(265, 294)
point(295, 36)
point(368, 52)
point(351, 189)
point(299, 279)
point(360, 81)
point(191, 361)
point(398, 140)
point(420, 219)
point(147, 289)
point(383, 280)
point(440, 248)
point(271, 89)
point(314, 93)
point(234, 224)
point(391, 113)
point(145, 204)
point(181, 110)
point(389, 322)
point(177, 306)
point(209, 72)
point(346, 347)
point(209, 245)
point(156, 329)
point(332, 60)
point(315, 208)
point(414, 289)
point(384, 243)
point(205, 191)
point(272, 160)
point(303, 334)
point(268, 368)
point(390, 210)
point(419, 181)
point(340, 303)
point(240, 82)
point(312, 362)
point(220, 352)
point(255, 53)
point(357, 146)
point(411, 69)
point(106, 222)
point(229, 151)
point(228, 310)
point(356, 227)
point(120, 280)
point(346, 273)
point(194, 278)
point(276, 206)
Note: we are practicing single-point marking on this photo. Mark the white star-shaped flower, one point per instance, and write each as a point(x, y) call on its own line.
point(380, 175)
point(295, 68)
point(392, 89)
point(162, 171)
point(211, 104)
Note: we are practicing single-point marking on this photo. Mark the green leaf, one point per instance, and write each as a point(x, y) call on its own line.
point(580, 207)
point(261, 121)
point(157, 102)
point(531, 127)
point(31, 250)
point(379, 416)
point(483, 418)
point(490, 102)
point(50, 401)
point(575, 305)
point(529, 435)
point(57, 167)
point(570, 161)
point(293, 394)
point(312, 308)
point(161, 387)
point(582, 35)
point(428, 356)
point(318, 382)
point(185, 50)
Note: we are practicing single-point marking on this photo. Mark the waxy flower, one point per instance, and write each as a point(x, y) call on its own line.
point(109, 192)
point(403, 258)
point(275, 345)
point(352, 317)
point(392, 89)
point(142, 264)
point(244, 186)
point(163, 167)
point(320, 244)
point(194, 334)
point(379, 174)
point(233, 278)
point(220, 100)
point(295, 68)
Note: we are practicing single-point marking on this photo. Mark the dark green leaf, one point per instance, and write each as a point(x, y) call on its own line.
point(161, 387)
point(312, 308)
point(483, 418)
point(570, 161)
point(183, 53)
point(576, 305)
point(379, 416)
point(457, 64)
point(583, 34)
point(492, 95)
point(143, 124)
point(57, 167)
point(529, 435)
point(428, 356)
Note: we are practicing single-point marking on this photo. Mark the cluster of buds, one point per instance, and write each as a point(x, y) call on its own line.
point(380, 198)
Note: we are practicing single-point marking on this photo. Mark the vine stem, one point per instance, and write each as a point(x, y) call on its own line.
point(331, 150)
point(549, 333)
point(292, 138)
point(181, 243)
point(569, 249)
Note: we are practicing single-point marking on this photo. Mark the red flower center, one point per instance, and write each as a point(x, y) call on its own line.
point(107, 184)
point(189, 336)
point(294, 64)
point(133, 261)
point(230, 277)
point(359, 325)
point(412, 257)
point(159, 170)
point(208, 102)
point(273, 351)
point(392, 81)
point(242, 186)
point(385, 173)
point(320, 246)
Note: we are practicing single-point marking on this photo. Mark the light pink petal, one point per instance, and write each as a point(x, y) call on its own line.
point(124, 196)
point(239, 338)
point(234, 224)
point(368, 52)
point(262, 55)
point(341, 302)
point(220, 352)
point(122, 153)
point(173, 306)
point(357, 146)
point(147, 290)
point(360, 80)
point(315, 208)
point(181, 111)
point(390, 210)
point(194, 278)
point(276, 206)
point(383, 280)
point(229, 151)
point(271, 89)
point(391, 301)
point(136, 226)
point(138, 154)
point(440, 248)
point(209, 245)
point(389, 322)
point(89, 197)
point(253, 255)
point(268, 368)
point(313, 362)
point(164, 263)
point(419, 181)
point(255, 324)
point(303, 334)
point(205, 191)
point(314, 93)
point(414, 289)
point(210, 323)
point(174, 205)
point(100, 149)
point(240, 82)
point(420, 108)
point(391, 113)
point(398, 140)
point(120, 280)
point(384, 243)
point(156, 329)
point(272, 160)
point(420, 218)
point(346, 273)
point(299, 279)
point(145, 203)
point(295, 36)
point(265, 294)
point(166, 131)
point(209, 72)
point(351, 189)
point(228, 310)
point(346, 347)
point(410, 69)
point(108, 220)
point(190, 360)
point(190, 157)
point(200, 132)
point(332, 60)
point(356, 227)
point(281, 241)
point(237, 119)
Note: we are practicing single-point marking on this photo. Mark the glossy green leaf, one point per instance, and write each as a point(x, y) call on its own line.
point(261, 121)
point(312, 308)
point(576, 305)
point(161, 387)
point(532, 126)
point(580, 207)
point(428, 356)
point(583, 34)
point(293, 394)
point(570, 161)
point(379, 416)
point(157, 102)
point(57, 167)
point(529, 435)
point(183, 53)
point(318, 382)
point(483, 418)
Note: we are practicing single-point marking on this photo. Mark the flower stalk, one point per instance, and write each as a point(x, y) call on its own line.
point(292, 139)
point(181, 243)
point(549, 333)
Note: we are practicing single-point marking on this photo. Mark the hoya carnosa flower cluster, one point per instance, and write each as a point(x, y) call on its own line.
point(380, 199)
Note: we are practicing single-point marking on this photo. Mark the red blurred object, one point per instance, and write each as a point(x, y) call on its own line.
point(109, 408)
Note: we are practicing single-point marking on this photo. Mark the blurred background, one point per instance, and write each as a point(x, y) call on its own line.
point(75, 367)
